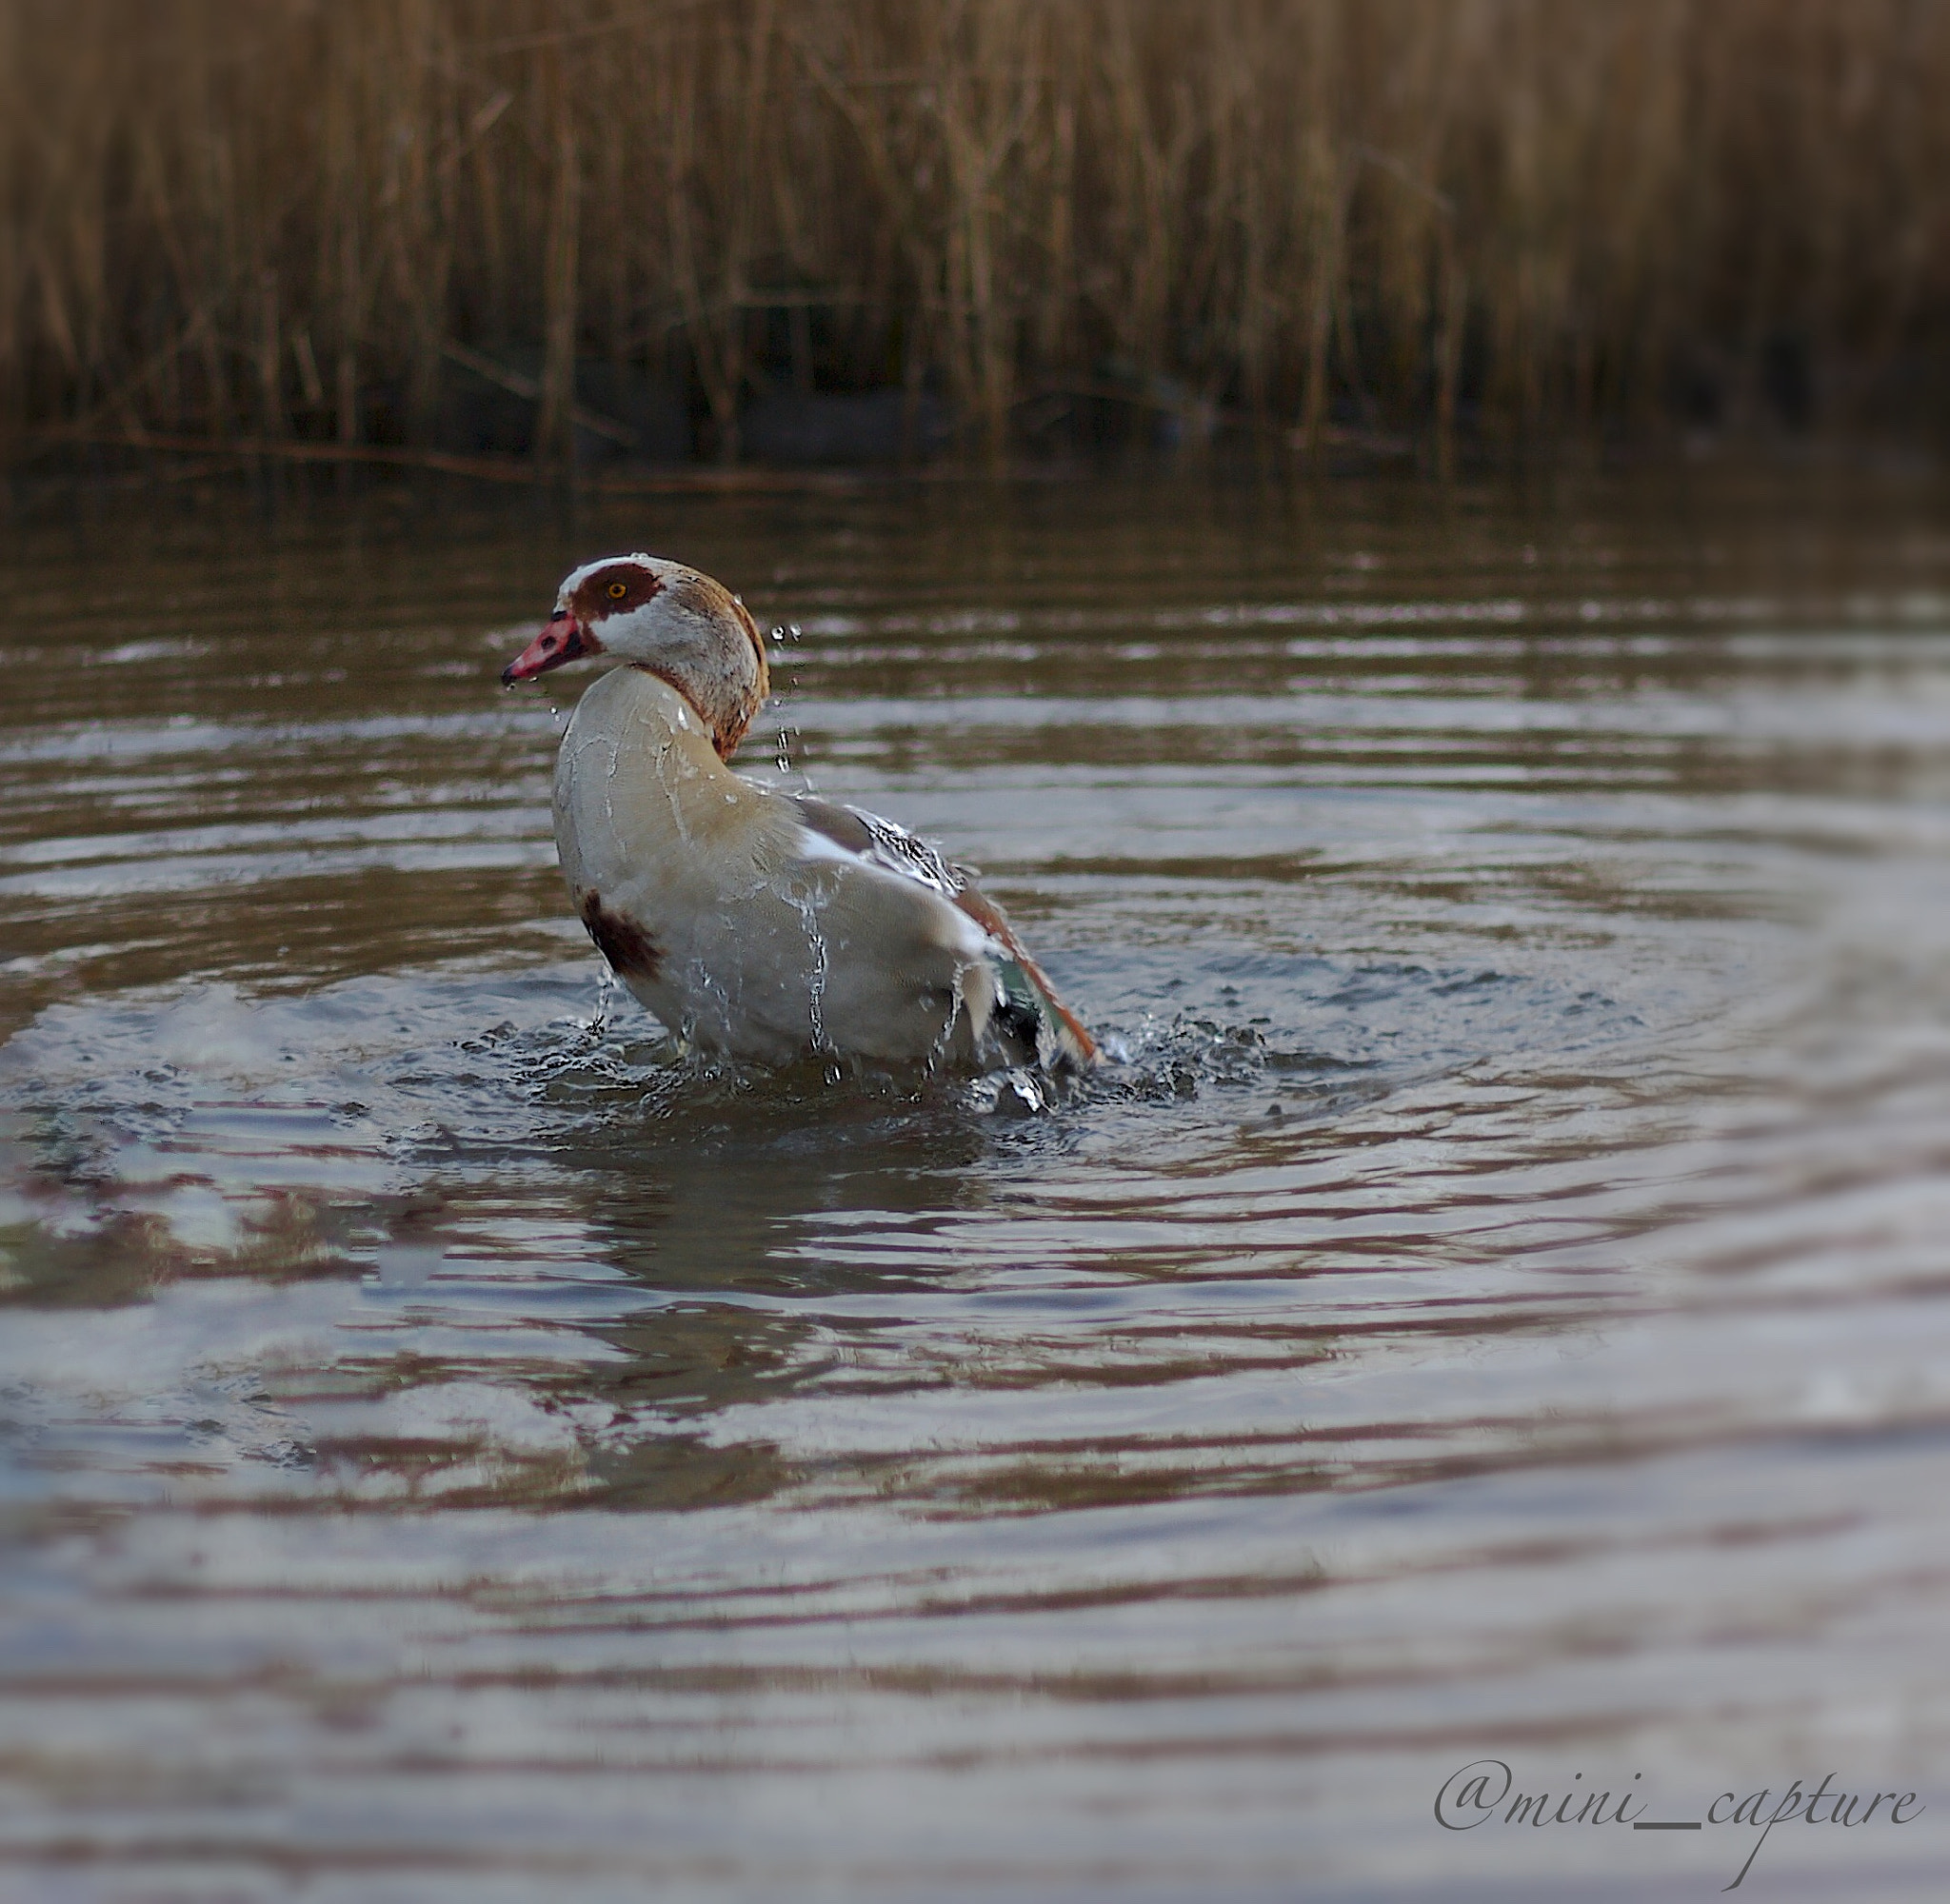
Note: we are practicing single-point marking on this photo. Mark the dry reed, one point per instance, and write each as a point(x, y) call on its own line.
point(281, 220)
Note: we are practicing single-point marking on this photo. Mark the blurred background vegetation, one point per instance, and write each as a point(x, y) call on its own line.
point(652, 229)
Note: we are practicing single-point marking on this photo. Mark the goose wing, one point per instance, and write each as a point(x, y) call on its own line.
point(1027, 1002)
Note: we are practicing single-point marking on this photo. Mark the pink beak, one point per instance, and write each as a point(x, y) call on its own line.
point(561, 640)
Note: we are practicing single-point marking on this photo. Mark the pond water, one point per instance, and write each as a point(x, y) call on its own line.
point(453, 1446)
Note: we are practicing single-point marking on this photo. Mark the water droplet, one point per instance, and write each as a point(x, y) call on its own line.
point(1020, 1095)
point(816, 941)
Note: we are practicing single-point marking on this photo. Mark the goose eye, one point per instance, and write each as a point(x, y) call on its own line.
point(618, 590)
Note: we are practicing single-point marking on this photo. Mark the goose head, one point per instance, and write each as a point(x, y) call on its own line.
point(673, 622)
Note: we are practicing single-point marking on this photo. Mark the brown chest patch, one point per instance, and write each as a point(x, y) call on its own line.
point(620, 939)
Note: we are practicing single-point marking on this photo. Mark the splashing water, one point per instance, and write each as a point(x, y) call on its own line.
point(782, 755)
point(807, 906)
point(605, 992)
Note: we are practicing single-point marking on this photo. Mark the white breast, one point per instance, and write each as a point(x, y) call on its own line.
point(740, 930)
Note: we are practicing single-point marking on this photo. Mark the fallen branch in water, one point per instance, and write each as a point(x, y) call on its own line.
point(530, 389)
point(484, 469)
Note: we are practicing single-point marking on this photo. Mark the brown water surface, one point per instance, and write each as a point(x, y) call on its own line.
point(454, 1447)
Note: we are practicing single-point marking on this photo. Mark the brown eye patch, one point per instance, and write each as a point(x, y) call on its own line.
point(614, 589)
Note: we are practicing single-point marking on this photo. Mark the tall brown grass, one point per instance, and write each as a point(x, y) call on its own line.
point(276, 219)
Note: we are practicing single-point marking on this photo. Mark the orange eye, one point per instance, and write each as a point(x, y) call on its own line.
point(618, 590)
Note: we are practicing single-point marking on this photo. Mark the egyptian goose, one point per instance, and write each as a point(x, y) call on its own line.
point(766, 924)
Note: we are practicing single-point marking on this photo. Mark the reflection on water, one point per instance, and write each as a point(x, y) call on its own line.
point(453, 1446)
